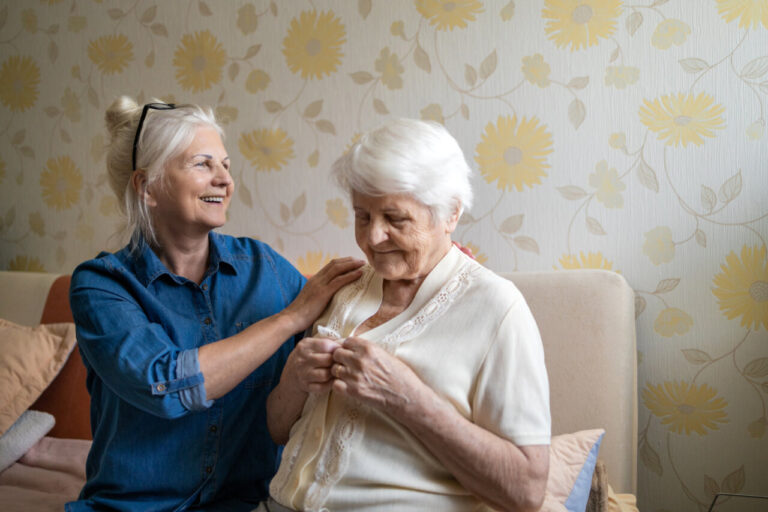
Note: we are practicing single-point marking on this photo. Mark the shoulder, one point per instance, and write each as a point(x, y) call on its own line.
point(250, 256)
point(494, 289)
point(105, 264)
point(247, 248)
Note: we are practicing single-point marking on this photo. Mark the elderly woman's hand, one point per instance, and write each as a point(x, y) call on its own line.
point(310, 364)
point(316, 294)
point(367, 372)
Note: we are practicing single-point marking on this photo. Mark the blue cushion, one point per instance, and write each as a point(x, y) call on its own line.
point(577, 500)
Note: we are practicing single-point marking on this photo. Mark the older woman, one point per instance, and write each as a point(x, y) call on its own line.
point(185, 331)
point(423, 386)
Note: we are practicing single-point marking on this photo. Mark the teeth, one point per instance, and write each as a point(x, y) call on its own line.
point(213, 199)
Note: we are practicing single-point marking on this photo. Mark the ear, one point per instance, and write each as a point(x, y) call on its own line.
point(453, 220)
point(139, 184)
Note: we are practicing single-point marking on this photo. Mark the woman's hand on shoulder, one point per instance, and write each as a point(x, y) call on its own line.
point(319, 290)
point(367, 372)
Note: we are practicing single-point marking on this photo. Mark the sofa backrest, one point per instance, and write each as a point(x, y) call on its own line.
point(587, 323)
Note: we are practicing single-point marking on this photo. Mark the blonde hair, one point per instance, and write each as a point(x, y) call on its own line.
point(164, 135)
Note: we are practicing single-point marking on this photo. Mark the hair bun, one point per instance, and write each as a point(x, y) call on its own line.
point(120, 114)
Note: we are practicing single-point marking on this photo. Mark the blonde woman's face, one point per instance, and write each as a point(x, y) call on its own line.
point(196, 189)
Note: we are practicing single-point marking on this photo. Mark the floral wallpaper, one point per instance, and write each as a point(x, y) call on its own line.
point(624, 135)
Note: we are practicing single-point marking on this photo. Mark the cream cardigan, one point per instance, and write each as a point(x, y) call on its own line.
point(469, 335)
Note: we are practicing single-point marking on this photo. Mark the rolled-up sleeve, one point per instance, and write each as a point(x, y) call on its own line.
point(135, 357)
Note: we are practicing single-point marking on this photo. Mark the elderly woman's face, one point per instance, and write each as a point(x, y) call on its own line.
point(197, 186)
point(399, 236)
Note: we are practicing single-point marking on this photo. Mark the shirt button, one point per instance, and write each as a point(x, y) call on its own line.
point(209, 469)
point(205, 287)
point(213, 428)
point(160, 387)
point(207, 320)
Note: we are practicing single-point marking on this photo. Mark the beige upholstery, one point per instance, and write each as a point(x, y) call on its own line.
point(23, 295)
point(587, 323)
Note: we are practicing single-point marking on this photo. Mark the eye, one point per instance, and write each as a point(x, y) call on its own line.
point(396, 220)
point(361, 217)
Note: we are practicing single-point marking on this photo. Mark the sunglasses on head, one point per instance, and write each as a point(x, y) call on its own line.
point(153, 106)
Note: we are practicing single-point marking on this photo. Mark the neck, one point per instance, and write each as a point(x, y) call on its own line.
point(184, 256)
point(400, 292)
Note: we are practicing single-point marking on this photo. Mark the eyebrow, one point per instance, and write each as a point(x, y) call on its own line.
point(209, 157)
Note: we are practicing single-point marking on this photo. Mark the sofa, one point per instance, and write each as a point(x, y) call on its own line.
point(587, 322)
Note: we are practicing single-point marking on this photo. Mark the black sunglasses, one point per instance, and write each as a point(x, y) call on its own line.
point(154, 106)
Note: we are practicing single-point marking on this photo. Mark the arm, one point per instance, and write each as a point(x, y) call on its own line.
point(227, 362)
point(506, 476)
point(140, 362)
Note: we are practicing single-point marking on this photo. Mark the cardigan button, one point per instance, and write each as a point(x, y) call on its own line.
point(207, 320)
point(209, 469)
point(160, 387)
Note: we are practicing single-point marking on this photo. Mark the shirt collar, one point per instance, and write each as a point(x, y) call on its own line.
point(149, 267)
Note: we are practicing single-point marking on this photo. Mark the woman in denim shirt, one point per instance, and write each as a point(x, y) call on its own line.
point(184, 332)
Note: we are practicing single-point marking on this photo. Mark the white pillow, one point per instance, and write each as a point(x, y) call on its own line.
point(30, 428)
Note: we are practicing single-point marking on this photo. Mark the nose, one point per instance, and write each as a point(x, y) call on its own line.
point(377, 232)
point(221, 177)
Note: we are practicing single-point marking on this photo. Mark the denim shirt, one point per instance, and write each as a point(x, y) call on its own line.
point(158, 444)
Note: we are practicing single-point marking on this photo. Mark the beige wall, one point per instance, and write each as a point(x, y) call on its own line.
point(627, 137)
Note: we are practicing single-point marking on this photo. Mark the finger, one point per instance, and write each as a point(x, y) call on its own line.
point(319, 375)
point(340, 386)
point(320, 360)
point(344, 356)
point(337, 371)
point(344, 279)
point(340, 266)
point(319, 345)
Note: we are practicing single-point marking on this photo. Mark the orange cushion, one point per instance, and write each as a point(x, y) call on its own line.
point(67, 397)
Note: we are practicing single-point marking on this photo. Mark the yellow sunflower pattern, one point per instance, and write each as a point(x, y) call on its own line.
point(312, 47)
point(514, 154)
point(590, 260)
point(751, 13)
point(580, 23)
point(24, 263)
point(683, 119)
point(61, 182)
point(19, 81)
point(742, 287)
point(199, 61)
point(685, 408)
point(112, 54)
point(449, 14)
point(267, 150)
point(312, 262)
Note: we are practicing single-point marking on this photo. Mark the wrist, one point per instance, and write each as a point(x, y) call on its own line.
point(290, 321)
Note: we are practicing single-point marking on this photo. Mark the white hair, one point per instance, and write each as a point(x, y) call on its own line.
point(164, 135)
point(408, 156)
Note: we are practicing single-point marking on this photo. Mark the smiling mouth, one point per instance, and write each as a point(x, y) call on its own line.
point(212, 199)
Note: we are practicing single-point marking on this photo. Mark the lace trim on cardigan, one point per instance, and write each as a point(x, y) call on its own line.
point(349, 429)
point(344, 301)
